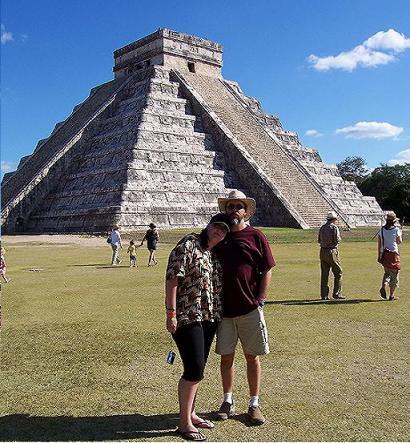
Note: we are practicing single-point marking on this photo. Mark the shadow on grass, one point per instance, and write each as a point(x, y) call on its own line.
point(323, 302)
point(243, 418)
point(101, 266)
point(23, 427)
point(93, 264)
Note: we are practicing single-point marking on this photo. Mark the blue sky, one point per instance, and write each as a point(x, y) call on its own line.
point(336, 72)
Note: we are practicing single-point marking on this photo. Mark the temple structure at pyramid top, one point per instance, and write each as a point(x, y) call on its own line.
point(170, 49)
point(161, 142)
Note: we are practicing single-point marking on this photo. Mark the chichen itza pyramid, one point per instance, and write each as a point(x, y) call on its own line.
point(161, 142)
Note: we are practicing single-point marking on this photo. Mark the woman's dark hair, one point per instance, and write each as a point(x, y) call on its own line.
point(203, 238)
point(131, 242)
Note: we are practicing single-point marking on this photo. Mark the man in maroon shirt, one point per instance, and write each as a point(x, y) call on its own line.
point(247, 263)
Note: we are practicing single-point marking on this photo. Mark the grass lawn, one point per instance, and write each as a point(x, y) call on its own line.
point(83, 348)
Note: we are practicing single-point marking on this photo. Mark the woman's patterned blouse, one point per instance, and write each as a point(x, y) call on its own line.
point(199, 275)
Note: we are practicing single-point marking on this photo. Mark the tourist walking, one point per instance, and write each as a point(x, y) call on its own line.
point(152, 238)
point(247, 264)
point(193, 309)
point(132, 251)
point(329, 239)
point(114, 239)
point(389, 238)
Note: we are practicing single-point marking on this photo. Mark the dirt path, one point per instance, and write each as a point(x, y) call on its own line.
point(81, 240)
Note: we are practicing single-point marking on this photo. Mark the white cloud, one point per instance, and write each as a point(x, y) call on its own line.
point(376, 130)
point(401, 158)
point(348, 61)
point(380, 49)
point(5, 35)
point(7, 166)
point(313, 133)
point(390, 40)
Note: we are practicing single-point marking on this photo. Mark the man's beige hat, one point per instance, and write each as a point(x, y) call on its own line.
point(391, 215)
point(331, 215)
point(238, 195)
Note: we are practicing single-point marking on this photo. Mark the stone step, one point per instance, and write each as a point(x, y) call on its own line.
point(163, 196)
point(197, 151)
point(163, 90)
point(174, 122)
point(139, 151)
point(171, 137)
point(169, 208)
point(153, 101)
point(197, 165)
point(184, 128)
point(178, 186)
point(140, 169)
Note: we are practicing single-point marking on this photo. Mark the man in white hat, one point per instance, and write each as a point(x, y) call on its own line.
point(329, 239)
point(247, 263)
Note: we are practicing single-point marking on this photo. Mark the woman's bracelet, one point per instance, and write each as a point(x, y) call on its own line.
point(170, 309)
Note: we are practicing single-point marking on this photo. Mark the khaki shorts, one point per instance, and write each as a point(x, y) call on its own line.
point(391, 277)
point(249, 328)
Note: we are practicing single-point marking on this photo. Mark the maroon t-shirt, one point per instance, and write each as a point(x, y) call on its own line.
point(245, 256)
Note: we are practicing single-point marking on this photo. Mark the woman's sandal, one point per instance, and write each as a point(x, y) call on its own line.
point(204, 424)
point(191, 435)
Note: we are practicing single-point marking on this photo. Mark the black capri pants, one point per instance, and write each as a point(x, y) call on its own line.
point(194, 343)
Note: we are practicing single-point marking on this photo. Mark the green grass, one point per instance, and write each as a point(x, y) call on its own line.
point(83, 349)
point(276, 235)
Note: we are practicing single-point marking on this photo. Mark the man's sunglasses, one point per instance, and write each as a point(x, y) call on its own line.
point(231, 206)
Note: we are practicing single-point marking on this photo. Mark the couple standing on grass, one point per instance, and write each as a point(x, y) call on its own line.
point(216, 283)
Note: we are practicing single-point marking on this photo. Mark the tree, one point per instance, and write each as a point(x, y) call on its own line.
point(353, 169)
point(391, 187)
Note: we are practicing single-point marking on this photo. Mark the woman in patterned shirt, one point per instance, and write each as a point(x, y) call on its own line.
point(193, 305)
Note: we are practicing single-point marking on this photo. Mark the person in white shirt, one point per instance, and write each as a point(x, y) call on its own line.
point(389, 238)
point(116, 244)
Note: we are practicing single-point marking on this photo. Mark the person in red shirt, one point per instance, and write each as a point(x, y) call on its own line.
point(247, 264)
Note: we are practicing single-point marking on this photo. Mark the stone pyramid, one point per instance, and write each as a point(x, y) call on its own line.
point(161, 142)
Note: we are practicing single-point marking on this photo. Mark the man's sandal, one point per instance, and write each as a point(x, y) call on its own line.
point(191, 435)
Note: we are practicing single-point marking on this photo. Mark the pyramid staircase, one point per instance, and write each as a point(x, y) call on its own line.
point(291, 191)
